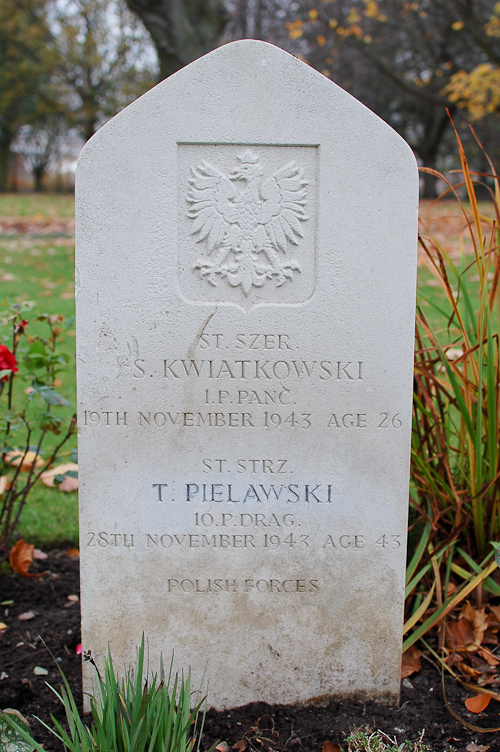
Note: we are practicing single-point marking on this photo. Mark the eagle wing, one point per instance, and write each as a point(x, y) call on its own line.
point(285, 197)
point(210, 198)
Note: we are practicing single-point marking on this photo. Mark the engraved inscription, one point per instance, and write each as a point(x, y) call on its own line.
point(264, 532)
point(247, 221)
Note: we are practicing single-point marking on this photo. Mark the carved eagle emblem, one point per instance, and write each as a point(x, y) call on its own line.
point(248, 221)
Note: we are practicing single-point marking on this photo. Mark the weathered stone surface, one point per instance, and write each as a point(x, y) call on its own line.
point(246, 253)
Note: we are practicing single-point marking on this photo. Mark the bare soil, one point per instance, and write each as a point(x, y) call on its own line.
point(258, 727)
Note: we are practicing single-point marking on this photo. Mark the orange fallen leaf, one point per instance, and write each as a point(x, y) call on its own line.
point(222, 747)
point(68, 484)
point(20, 558)
point(329, 746)
point(72, 553)
point(240, 746)
point(467, 670)
point(478, 618)
point(26, 459)
point(460, 635)
point(410, 662)
point(49, 475)
point(478, 703)
point(496, 612)
point(488, 656)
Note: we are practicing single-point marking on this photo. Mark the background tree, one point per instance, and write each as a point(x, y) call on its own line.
point(105, 61)
point(399, 58)
point(27, 58)
point(39, 144)
point(479, 89)
point(181, 30)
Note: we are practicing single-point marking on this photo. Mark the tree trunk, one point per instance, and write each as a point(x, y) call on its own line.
point(5, 142)
point(181, 30)
point(38, 175)
point(428, 151)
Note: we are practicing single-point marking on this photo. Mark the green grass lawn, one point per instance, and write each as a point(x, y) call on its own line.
point(39, 266)
point(44, 205)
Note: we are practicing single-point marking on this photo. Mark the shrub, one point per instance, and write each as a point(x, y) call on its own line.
point(29, 407)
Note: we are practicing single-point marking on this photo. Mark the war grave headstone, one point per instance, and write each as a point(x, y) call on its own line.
point(246, 263)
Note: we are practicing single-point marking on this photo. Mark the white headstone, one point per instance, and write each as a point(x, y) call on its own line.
point(246, 263)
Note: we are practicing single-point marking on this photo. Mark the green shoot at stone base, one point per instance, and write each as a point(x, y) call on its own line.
point(141, 712)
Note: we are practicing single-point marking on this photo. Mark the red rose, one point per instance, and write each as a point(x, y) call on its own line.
point(7, 361)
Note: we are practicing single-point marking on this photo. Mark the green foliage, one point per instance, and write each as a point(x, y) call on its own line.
point(10, 738)
point(455, 470)
point(365, 740)
point(139, 713)
point(26, 61)
point(29, 409)
point(408, 61)
point(41, 267)
point(100, 43)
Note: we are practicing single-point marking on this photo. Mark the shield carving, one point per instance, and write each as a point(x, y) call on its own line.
point(247, 224)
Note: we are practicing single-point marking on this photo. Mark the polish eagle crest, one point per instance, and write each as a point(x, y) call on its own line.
point(249, 221)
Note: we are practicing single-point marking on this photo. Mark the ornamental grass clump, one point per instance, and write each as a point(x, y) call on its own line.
point(455, 472)
point(141, 712)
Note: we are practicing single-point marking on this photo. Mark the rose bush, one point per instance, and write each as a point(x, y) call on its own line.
point(29, 409)
point(8, 363)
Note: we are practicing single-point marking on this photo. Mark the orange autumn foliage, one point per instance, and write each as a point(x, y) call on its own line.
point(21, 557)
point(478, 703)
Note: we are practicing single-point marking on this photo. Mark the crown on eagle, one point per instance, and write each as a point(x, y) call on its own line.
point(248, 157)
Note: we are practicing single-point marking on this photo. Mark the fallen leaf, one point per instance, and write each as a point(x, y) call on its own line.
point(73, 553)
point(10, 738)
point(450, 589)
point(460, 634)
point(20, 716)
point(488, 656)
point(222, 747)
point(26, 616)
point(473, 747)
point(240, 746)
point(40, 555)
point(2, 626)
point(453, 659)
point(329, 746)
point(25, 459)
point(49, 475)
point(73, 598)
point(4, 484)
point(468, 670)
point(20, 558)
point(496, 612)
point(68, 484)
point(478, 703)
point(410, 662)
point(40, 671)
point(478, 618)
